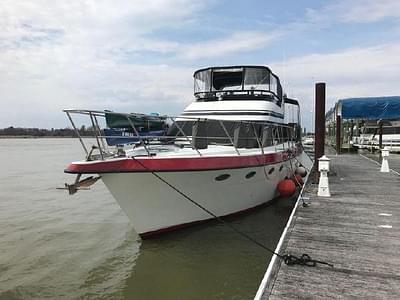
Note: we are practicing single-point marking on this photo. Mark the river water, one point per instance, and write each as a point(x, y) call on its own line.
point(56, 246)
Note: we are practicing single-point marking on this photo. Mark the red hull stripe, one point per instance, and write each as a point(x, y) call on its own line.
point(169, 164)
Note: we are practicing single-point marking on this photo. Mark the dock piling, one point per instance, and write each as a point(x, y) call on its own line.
point(319, 122)
point(385, 163)
point(323, 168)
point(338, 134)
point(380, 128)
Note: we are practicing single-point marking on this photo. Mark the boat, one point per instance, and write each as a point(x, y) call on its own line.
point(369, 135)
point(364, 123)
point(308, 140)
point(224, 154)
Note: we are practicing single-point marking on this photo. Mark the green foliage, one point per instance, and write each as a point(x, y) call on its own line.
point(38, 132)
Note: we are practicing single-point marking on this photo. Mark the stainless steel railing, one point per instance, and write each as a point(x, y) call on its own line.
point(262, 133)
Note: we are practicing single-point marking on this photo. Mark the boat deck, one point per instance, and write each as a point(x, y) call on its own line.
point(356, 229)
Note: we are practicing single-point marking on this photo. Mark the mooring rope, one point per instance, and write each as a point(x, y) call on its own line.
point(304, 259)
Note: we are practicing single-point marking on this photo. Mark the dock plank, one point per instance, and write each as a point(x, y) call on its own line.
point(356, 229)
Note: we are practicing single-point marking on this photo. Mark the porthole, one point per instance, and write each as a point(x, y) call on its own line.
point(250, 174)
point(281, 168)
point(222, 177)
point(271, 171)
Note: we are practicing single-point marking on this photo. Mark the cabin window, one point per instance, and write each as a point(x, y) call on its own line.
point(271, 171)
point(222, 177)
point(274, 85)
point(243, 135)
point(250, 174)
point(280, 94)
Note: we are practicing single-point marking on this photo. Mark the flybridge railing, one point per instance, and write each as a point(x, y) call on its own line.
point(181, 131)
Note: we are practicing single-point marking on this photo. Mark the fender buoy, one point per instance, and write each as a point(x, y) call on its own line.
point(286, 188)
point(301, 171)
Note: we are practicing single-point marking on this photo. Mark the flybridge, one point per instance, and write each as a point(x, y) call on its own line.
point(237, 82)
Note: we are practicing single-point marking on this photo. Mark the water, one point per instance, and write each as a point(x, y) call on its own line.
point(56, 246)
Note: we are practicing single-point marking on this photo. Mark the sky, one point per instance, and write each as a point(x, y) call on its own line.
point(139, 56)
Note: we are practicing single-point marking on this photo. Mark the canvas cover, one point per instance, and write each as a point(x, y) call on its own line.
point(371, 108)
point(147, 122)
point(122, 136)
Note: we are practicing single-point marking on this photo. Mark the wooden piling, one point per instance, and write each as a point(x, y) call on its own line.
point(319, 123)
point(338, 134)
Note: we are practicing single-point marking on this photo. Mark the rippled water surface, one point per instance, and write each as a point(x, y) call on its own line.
point(56, 246)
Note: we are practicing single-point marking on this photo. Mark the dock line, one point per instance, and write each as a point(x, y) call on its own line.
point(304, 260)
point(355, 230)
point(233, 228)
point(268, 273)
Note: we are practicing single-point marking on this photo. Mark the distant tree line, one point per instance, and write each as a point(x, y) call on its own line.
point(40, 132)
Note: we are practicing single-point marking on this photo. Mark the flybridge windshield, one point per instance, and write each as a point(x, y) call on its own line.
point(227, 79)
point(236, 79)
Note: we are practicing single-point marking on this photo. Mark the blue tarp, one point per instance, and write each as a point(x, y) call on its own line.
point(122, 136)
point(372, 108)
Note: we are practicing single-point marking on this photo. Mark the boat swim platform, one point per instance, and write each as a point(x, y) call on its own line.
point(356, 229)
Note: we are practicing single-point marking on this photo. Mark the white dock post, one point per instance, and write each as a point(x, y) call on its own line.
point(385, 163)
point(323, 168)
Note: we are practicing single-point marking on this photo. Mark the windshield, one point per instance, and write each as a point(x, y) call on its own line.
point(256, 79)
point(227, 79)
point(202, 81)
point(237, 79)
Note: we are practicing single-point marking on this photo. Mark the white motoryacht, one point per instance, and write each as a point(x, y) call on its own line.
point(227, 151)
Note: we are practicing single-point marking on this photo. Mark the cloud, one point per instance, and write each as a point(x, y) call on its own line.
point(355, 11)
point(241, 41)
point(369, 11)
point(101, 24)
point(354, 65)
point(47, 83)
point(140, 55)
point(353, 72)
point(82, 54)
point(89, 54)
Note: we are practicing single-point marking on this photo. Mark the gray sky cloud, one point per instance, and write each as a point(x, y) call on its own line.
point(354, 72)
point(241, 41)
point(355, 11)
point(140, 55)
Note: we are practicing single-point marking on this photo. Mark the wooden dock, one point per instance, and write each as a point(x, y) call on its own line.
point(356, 229)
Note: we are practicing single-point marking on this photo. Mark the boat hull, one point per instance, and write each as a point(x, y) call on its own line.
point(154, 207)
